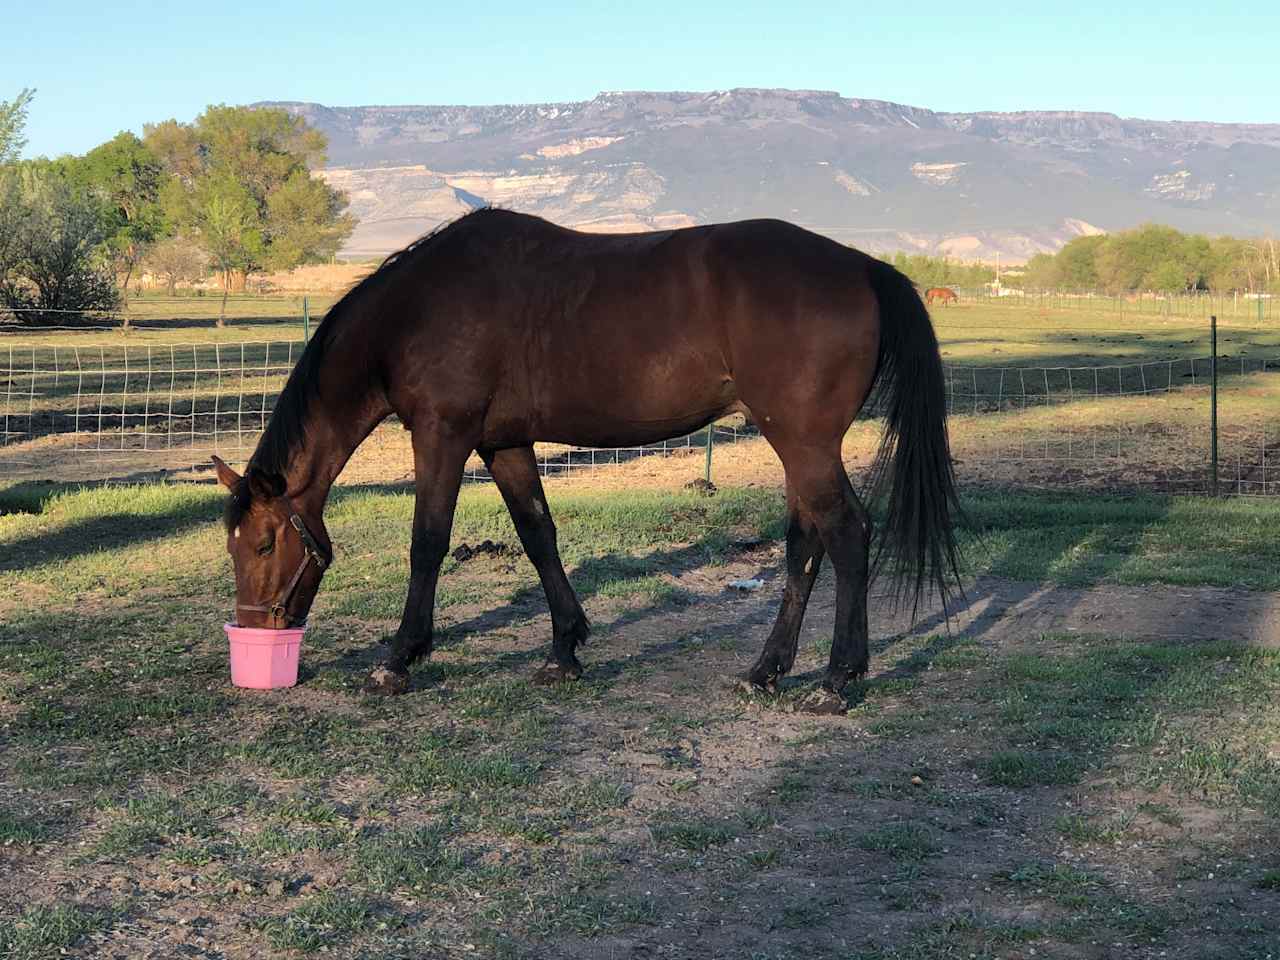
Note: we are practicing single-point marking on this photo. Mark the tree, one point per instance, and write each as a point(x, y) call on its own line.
point(224, 214)
point(174, 144)
point(13, 119)
point(927, 271)
point(51, 266)
point(176, 259)
point(1076, 264)
point(1155, 257)
point(128, 176)
point(1168, 277)
point(1041, 272)
point(242, 187)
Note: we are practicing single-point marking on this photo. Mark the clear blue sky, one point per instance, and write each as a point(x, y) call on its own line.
point(110, 65)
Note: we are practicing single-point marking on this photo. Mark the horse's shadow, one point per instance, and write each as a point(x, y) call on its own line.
point(592, 578)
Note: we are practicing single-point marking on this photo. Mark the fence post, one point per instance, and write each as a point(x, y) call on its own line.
point(711, 434)
point(1213, 405)
point(306, 319)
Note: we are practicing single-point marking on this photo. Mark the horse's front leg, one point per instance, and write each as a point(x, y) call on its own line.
point(438, 465)
point(515, 470)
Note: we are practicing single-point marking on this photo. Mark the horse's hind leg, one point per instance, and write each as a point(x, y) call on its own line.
point(804, 557)
point(515, 471)
point(844, 525)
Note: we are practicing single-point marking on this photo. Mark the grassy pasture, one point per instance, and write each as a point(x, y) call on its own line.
point(991, 792)
point(165, 397)
point(982, 333)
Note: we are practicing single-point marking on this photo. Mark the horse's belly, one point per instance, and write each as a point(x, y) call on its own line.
point(629, 404)
point(591, 432)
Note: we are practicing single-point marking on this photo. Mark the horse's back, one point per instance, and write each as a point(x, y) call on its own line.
point(612, 339)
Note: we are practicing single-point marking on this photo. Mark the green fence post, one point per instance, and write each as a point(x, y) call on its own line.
point(711, 437)
point(1213, 405)
point(306, 319)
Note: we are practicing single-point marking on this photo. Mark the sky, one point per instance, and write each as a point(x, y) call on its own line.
point(110, 65)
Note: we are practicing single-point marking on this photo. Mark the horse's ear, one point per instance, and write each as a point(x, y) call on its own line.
point(263, 485)
point(226, 476)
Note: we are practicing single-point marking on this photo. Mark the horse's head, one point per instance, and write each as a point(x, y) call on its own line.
point(279, 556)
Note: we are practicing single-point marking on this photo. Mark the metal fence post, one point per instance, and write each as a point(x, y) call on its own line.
point(306, 319)
point(1213, 405)
point(711, 434)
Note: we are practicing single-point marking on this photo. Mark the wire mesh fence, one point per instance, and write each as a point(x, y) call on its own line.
point(85, 410)
point(152, 311)
point(109, 399)
point(1191, 305)
point(1138, 425)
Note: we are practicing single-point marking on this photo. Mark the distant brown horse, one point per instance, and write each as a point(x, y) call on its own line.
point(501, 329)
point(945, 294)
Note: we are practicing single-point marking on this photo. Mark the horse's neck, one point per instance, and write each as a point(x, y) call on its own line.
point(341, 415)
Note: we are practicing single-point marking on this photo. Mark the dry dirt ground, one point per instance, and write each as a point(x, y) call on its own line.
point(1049, 772)
point(754, 832)
point(832, 868)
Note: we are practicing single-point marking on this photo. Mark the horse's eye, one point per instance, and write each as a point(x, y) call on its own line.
point(267, 546)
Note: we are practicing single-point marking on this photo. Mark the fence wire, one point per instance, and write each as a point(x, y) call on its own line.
point(113, 399)
point(112, 404)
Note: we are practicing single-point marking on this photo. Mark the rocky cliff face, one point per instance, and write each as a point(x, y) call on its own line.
point(877, 174)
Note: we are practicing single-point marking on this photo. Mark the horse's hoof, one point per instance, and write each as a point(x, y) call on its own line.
point(823, 703)
point(386, 683)
point(752, 687)
point(551, 673)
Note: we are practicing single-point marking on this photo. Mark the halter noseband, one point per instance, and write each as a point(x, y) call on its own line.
point(311, 553)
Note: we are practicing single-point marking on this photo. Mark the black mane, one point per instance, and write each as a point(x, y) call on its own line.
point(286, 431)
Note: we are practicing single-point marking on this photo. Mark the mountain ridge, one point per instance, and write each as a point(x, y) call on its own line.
point(880, 174)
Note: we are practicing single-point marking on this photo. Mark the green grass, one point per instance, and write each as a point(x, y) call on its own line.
point(1030, 335)
point(901, 841)
point(1081, 540)
point(483, 809)
point(113, 542)
point(42, 932)
point(694, 836)
point(1018, 768)
point(326, 920)
point(1092, 902)
point(17, 829)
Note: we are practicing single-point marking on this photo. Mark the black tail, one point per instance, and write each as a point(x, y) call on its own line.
point(913, 465)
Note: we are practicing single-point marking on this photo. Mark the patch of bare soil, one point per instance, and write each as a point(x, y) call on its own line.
point(811, 874)
point(754, 831)
point(817, 873)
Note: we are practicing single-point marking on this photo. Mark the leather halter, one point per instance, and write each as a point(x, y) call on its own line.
point(311, 553)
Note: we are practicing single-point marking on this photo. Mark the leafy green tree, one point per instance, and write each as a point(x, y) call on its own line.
point(175, 145)
point(13, 119)
point(305, 221)
point(1155, 257)
point(242, 186)
point(1168, 277)
point(129, 177)
point(1076, 263)
point(1041, 272)
point(52, 269)
point(927, 271)
point(224, 214)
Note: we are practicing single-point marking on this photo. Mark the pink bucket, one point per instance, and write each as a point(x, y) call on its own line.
point(263, 659)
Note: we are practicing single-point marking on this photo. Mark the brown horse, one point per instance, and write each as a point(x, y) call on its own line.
point(945, 294)
point(502, 329)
